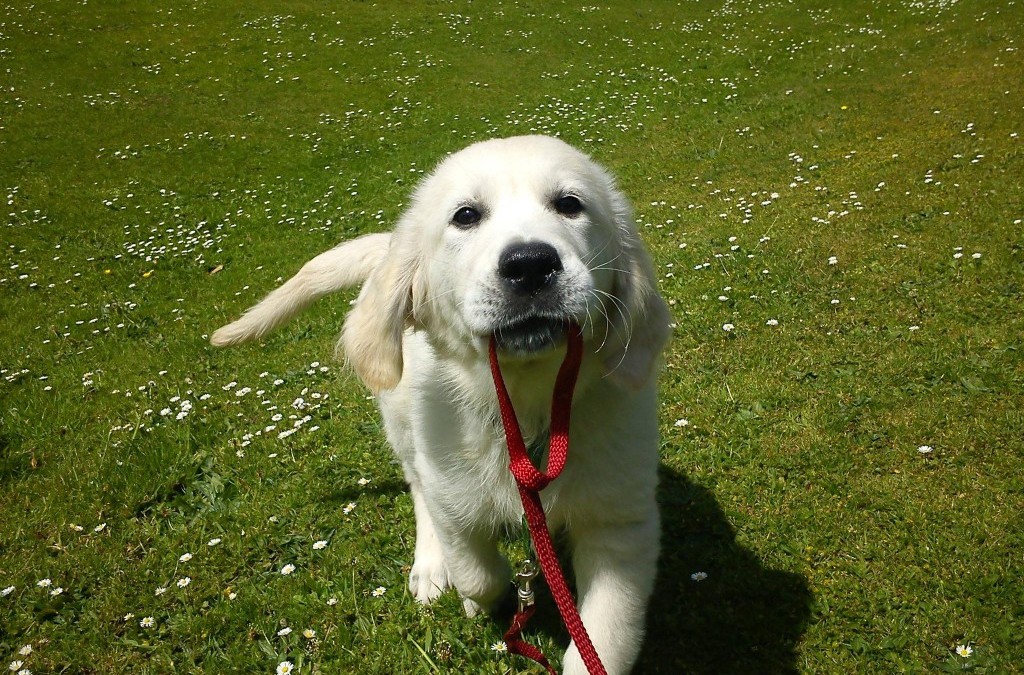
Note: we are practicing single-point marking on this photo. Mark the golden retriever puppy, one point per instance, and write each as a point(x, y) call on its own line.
point(511, 239)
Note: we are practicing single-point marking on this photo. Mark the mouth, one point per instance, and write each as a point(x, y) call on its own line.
point(531, 335)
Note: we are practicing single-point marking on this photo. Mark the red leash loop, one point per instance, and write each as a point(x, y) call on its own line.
point(517, 645)
point(531, 481)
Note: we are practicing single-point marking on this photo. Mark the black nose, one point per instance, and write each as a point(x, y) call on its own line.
point(529, 267)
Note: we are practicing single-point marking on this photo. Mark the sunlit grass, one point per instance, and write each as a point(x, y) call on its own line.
point(839, 185)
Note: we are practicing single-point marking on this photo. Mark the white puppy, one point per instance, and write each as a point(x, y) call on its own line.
point(512, 238)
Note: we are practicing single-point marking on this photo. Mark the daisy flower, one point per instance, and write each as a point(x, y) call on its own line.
point(320, 545)
point(44, 583)
point(185, 557)
point(964, 650)
point(379, 591)
point(287, 569)
point(499, 647)
point(148, 622)
point(284, 631)
point(7, 591)
point(214, 541)
point(184, 581)
point(309, 633)
point(285, 668)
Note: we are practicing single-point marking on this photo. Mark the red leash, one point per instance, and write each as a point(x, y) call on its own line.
point(530, 482)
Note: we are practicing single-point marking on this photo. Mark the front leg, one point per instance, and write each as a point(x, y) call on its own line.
point(429, 576)
point(447, 556)
point(615, 566)
point(475, 566)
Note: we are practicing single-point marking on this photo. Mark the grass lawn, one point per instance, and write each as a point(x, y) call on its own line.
point(833, 193)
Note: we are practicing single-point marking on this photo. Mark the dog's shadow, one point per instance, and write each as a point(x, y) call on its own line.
point(742, 617)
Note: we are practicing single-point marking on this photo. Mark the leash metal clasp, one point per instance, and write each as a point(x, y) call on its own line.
point(524, 593)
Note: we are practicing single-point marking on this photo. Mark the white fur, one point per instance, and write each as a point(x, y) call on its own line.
point(418, 336)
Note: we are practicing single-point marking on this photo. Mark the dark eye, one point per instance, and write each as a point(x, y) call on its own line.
point(568, 205)
point(466, 217)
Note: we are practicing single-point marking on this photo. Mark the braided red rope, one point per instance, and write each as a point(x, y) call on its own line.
point(517, 645)
point(530, 482)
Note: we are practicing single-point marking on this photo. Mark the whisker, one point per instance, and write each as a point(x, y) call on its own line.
point(620, 306)
point(607, 321)
point(605, 265)
point(622, 309)
point(595, 254)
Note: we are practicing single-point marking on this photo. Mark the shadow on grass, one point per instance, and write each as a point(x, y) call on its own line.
point(390, 487)
point(743, 618)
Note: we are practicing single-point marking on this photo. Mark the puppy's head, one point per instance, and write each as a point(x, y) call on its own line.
point(512, 238)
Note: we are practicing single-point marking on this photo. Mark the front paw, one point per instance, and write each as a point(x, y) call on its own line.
point(501, 610)
point(428, 578)
point(491, 597)
point(472, 607)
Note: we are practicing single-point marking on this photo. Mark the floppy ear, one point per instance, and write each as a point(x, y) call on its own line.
point(640, 326)
point(372, 336)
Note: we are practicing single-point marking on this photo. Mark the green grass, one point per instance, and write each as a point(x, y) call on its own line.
point(162, 165)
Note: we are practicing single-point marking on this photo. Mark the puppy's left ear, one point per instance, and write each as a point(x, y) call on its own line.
point(640, 320)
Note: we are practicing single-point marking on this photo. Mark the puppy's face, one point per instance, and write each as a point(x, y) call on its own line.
point(521, 240)
point(512, 238)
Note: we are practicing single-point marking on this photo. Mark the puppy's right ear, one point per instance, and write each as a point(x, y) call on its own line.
point(372, 336)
